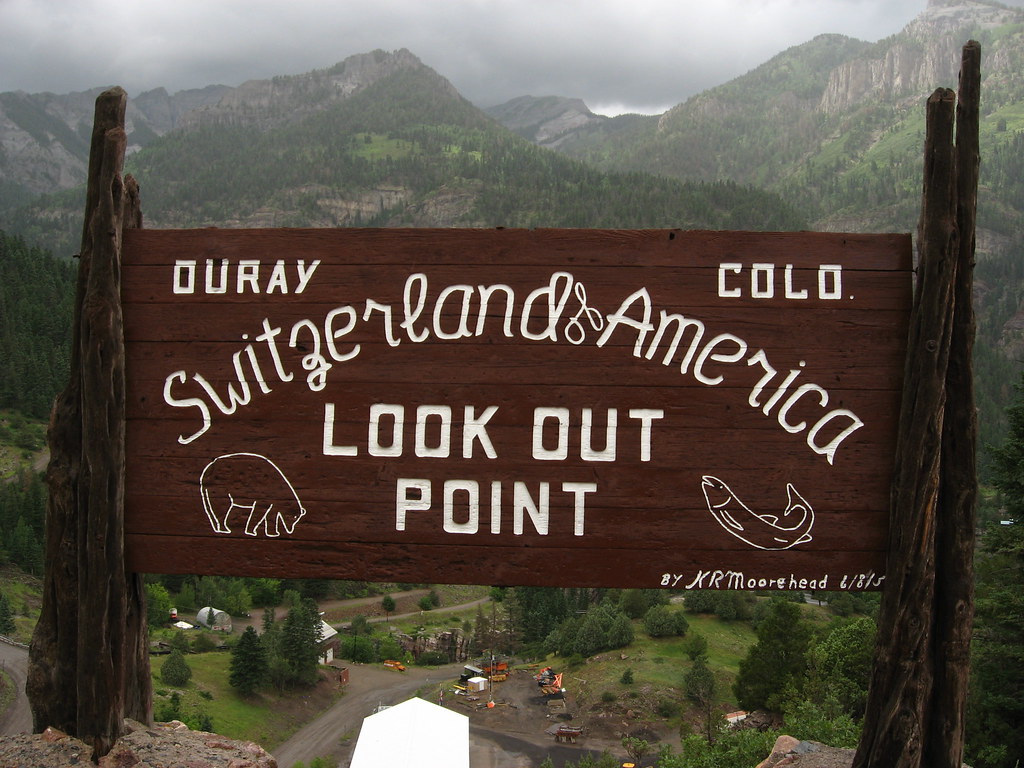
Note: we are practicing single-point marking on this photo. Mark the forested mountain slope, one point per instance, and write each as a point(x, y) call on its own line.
point(401, 149)
point(836, 126)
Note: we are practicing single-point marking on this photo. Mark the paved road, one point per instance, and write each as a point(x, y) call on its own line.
point(17, 718)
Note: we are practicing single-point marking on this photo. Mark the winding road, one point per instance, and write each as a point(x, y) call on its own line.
point(17, 718)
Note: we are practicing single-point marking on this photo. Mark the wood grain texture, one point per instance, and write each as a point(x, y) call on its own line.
point(89, 660)
point(917, 697)
point(560, 394)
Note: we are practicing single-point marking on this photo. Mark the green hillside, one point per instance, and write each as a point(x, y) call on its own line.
point(405, 151)
point(836, 127)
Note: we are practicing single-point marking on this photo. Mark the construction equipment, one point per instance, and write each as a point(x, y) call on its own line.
point(392, 664)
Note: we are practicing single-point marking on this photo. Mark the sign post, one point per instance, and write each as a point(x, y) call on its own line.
point(917, 699)
point(89, 656)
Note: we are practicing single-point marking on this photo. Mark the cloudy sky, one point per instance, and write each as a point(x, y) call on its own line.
point(636, 55)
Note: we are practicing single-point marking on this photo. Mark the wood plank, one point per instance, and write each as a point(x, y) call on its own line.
point(543, 358)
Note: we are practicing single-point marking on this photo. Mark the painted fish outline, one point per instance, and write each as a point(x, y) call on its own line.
point(762, 531)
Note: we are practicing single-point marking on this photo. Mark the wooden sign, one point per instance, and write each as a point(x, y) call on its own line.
point(553, 407)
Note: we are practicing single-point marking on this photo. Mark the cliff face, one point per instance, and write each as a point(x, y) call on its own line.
point(162, 745)
point(264, 103)
point(922, 55)
point(44, 137)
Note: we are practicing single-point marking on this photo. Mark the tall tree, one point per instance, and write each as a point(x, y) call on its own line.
point(158, 605)
point(996, 704)
point(248, 668)
point(700, 687)
point(775, 660)
point(300, 642)
point(7, 626)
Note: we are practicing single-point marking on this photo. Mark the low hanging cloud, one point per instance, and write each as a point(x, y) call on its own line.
point(644, 55)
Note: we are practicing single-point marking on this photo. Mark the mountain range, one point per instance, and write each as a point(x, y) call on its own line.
point(826, 135)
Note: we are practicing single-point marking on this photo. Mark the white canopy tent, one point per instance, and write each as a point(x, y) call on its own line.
point(414, 732)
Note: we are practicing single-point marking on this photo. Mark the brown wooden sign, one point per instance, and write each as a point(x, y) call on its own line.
point(550, 407)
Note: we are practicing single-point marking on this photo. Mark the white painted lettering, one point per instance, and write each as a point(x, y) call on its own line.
point(396, 413)
point(443, 447)
point(411, 495)
point(184, 276)
point(278, 279)
point(187, 402)
point(248, 274)
point(329, 448)
point(474, 430)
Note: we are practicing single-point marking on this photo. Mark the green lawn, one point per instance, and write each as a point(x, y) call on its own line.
point(265, 718)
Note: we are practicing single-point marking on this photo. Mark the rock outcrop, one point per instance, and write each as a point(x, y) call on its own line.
point(920, 57)
point(793, 753)
point(165, 745)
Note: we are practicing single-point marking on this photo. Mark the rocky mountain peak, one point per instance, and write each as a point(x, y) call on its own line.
point(547, 120)
point(289, 97)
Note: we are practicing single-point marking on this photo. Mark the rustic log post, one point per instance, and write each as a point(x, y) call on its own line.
point(954, 577)
point(916, 702)
point(88, 664)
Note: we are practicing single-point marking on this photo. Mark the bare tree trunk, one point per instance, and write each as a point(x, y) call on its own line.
point(917, 699)
point(954, 577)
point(89, 665)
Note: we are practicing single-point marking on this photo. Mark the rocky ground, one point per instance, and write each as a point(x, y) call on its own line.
point(162, 745)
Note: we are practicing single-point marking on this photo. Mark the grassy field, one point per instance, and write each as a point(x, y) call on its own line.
point(266, 718)
point(659, 665)
point(24, 594)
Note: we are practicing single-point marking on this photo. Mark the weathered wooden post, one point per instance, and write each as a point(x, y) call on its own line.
point(89, 666)
point(918, 688)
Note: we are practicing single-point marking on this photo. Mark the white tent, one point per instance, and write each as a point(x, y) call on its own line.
point(414, 732)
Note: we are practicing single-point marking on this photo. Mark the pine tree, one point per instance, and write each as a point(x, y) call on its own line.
point(248, 667)
point(6, 616)
point(300, 642)
point(775, 660)
point(700, 687)
point(996, 704)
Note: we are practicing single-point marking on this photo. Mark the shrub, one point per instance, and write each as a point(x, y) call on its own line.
point(175, 671)
point(695, 645)
point(667, 708)
point(432, 659)
point(661, 621)
point(202, 643)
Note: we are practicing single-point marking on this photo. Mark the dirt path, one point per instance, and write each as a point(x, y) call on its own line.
point(511, 735)
point(17, 718)
point(337, 612)
point(334, 733)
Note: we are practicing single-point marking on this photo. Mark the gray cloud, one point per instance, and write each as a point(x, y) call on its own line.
point(636, 54)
